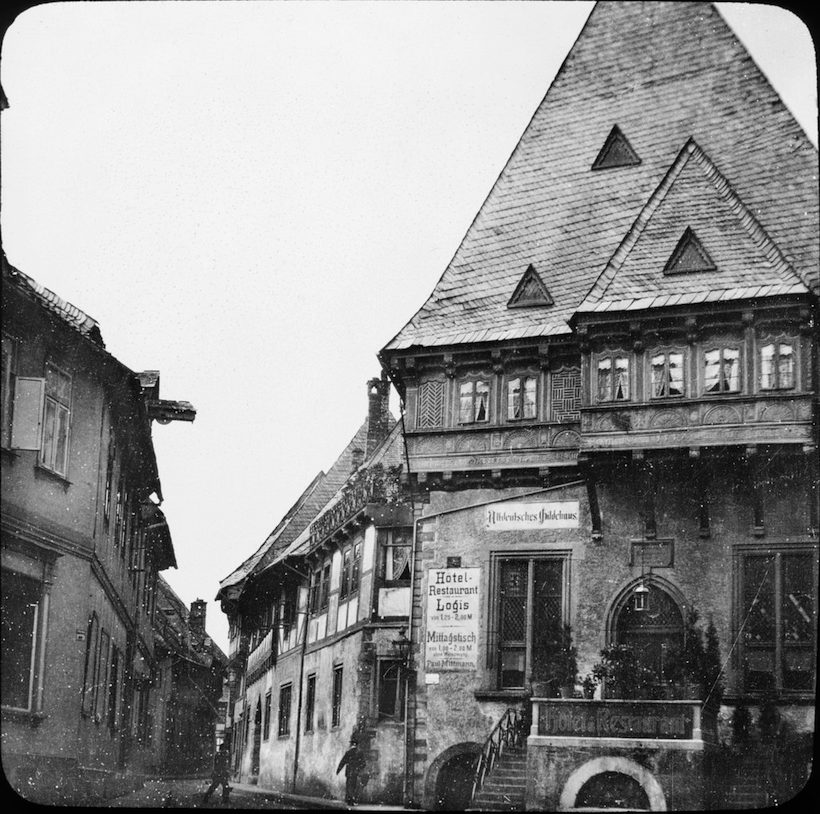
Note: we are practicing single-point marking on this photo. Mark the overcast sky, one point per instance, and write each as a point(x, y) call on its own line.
point(254, 197)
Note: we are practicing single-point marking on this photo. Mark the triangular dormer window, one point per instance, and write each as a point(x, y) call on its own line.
point(689, 256)
point(616, 152)
point(530, 291)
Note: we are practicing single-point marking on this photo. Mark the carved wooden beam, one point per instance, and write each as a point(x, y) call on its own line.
point(588, 472)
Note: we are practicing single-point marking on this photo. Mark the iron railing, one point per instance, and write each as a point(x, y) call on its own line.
point(510, 731)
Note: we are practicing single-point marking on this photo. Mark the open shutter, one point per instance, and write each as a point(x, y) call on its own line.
point(28, 413)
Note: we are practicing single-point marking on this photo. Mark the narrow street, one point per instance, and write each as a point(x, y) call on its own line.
point(187, 793)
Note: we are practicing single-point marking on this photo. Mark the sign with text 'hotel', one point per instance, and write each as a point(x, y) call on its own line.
point(451, 635)
point(532, 516)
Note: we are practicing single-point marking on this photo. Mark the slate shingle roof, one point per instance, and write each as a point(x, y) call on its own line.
point(692, 194)
point(663, 72)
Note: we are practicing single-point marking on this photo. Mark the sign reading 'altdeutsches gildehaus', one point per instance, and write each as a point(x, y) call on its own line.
point(451, 635)
point(516, 516)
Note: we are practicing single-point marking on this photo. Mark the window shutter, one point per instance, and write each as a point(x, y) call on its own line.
point(28, 413)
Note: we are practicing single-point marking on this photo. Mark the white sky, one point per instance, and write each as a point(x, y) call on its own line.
point(254, 197)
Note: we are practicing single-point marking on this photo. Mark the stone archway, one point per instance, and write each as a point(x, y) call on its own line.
point(636, 781)
point(449, 779)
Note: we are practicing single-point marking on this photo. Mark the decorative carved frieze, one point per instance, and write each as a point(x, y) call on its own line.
point(374, 485)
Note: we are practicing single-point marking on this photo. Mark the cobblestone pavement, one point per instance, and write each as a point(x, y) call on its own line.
point(187, 793)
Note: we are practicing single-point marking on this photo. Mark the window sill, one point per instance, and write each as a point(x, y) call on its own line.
point(33, 719)
point(45, 472)
point(502, 695)
point(8, 452)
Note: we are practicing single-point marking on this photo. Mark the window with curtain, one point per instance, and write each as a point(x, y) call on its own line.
point(721, 370)
point(777, 366)
point(521, 400)
point(613, 378)
point(667, 374)
point(474, 402)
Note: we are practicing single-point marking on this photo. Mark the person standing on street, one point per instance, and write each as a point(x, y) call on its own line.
point(220, 773)
point(353, 761)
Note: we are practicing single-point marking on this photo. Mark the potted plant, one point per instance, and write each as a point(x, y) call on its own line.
point(620, 673)
point(566, 663)
point(588, 684)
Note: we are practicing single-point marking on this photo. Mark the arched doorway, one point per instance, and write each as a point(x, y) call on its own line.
point(612, 790)
point(449, 781)
point(455, 783)
point(651, 623)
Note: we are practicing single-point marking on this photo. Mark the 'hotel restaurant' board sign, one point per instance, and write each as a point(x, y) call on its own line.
point(532, 516)
point(451, 635)
point(596, 719)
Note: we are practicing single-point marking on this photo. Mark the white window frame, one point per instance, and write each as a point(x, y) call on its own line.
point(720, 349)
point(48, 454)
point(613, 356)
point(519, 400)
point(666, 353)
point(777, 343)
point(472, 384)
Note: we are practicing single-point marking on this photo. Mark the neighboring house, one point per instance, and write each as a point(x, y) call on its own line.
point(611, 404)
point(317, 620)
point(83, 539)
point(190, 672)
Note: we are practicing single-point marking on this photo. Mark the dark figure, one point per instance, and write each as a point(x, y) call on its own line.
point(220, 774)
point(354, 760)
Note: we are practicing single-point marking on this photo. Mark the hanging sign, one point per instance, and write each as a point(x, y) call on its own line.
point(451, 633)
point(518, 516)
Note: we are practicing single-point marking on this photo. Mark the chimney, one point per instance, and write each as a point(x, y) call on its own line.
point(378, 412)
point(196, 619)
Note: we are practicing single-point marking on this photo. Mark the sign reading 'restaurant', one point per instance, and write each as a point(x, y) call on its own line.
point(516, 516)
point(451, 635)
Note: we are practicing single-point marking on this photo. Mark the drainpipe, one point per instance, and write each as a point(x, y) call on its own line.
point(303, 614)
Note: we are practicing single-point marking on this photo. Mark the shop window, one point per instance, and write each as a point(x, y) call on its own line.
point(22, 625)
point(336, 707)
point(266, 718)
point(778, 622)
point(390, 690)
point(521, 402)
point(529, 605)
point(7, 392)
point(351, 566)
point(777, 366)
point(395, 545)
point(310, 702)
point(285, 693)
point(721, 370)
point(56, 420)
point(667, 375)
point(474, 402)
point(613, 378)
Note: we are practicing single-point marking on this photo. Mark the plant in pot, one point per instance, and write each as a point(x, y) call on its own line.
point(554, 664)
point(620, 674)
point(588, 685)
point(566, 664)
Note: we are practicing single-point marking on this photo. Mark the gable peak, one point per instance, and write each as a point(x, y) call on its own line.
point(530, 291)
point(616, 152)
point(689, 256)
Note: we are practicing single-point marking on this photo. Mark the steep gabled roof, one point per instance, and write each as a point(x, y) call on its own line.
point(663, 72)
point(388, 453)
point(695, 201)
point(299, 516)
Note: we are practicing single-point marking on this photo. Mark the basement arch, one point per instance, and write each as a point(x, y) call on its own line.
point(612, 765)
point(449, 779)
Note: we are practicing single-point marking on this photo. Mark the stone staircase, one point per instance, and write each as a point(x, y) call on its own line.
point(504, 786)
point(746, 788)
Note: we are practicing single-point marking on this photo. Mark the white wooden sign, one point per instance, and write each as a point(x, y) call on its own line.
point(451, 633)
point(517, 516)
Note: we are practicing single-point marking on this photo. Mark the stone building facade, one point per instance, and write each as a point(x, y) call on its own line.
point(611, 427)
point(83, 541)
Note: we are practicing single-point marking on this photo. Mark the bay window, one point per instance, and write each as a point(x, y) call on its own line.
point(521, 401)
point(613, 377)
point(474, 402)
point(667, 374)
point(721, 370)
point(777, 366)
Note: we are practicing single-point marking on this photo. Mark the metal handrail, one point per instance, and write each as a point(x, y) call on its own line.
point(511, 730)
